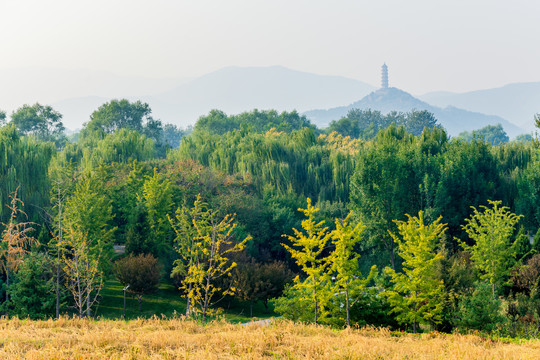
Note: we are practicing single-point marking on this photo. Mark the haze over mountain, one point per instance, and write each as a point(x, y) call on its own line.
point(515, 102)
point(77, 93)
point(238, 89)
point(453, 119)
point(179, 101)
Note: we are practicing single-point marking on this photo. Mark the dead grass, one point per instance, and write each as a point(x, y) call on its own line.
point(180, 339)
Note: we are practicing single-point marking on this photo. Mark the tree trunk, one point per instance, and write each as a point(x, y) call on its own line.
point(392, 255)
point(58, 285)
point(347, 307)
point(58, 255)
point(316, 305)
point(251, 309)
point(7, 283)
point(187, 304)
point(88, 313)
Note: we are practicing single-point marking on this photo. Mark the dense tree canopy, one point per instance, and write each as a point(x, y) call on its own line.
point(41, 121)
point(365, 124)
point(121, 181)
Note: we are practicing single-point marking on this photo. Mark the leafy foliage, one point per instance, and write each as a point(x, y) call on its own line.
point(40, 121)
point(30, 293)
point(417, 295)
point(491, 231)
point(204, 241)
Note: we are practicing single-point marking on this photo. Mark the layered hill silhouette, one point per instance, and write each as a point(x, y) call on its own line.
point(233, 90)
point(515, 102)
point(453, 119)
point(76, 93)
point(238, 89)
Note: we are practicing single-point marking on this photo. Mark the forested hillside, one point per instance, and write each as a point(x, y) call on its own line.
point(378, 219)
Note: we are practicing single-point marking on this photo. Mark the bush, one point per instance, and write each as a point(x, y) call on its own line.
point(141, 273)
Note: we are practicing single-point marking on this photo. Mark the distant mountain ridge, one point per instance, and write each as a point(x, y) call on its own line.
point(453, 119)
point(516, 102)
point(239, 89)
point(76, 93)
point(233, 90)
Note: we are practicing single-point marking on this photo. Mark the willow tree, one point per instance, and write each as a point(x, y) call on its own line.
point(24, 165)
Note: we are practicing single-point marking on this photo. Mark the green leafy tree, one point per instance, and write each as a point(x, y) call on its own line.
point(81, 264)
point(88, 212)
point(307, 249)
point(204, 253)
point(115, 115)
point(31, 291)
point(469, 177)
point(493, 134)
point(63, 179)
point(479, 310)
point(417, 294)
point(384, 186)
point(344, 263)
point(2, 118)
point(157, 199)
point(417, 120)
point(41, 121)
point(141, 273)
point(492, 253)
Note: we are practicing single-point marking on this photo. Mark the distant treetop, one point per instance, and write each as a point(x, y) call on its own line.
point(217, 122)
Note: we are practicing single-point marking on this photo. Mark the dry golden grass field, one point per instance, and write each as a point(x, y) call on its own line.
point(179, 339)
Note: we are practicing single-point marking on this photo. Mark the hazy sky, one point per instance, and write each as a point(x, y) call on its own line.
point(455, 45)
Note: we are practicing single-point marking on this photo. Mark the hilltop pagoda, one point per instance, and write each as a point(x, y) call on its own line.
point(384, 77)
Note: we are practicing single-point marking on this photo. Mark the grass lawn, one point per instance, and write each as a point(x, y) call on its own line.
point(166, 302)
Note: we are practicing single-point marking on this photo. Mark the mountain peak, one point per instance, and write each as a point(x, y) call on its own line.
point(385, 100)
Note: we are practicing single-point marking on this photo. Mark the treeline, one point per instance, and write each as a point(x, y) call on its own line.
point(212, 204)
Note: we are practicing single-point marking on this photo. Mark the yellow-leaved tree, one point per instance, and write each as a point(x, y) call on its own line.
point(203, 241)
point(417, 294)
point(344, 264)
point(307, 249)
point(492, 252)
point(331, 272)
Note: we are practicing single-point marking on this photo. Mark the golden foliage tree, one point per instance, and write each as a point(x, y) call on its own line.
point(307, 249)
point(204, 239)
point(417, 294)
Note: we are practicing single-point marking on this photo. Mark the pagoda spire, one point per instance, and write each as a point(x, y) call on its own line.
point(384, 77)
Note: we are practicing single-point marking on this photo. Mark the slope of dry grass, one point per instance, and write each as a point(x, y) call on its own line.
point(179, 339)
